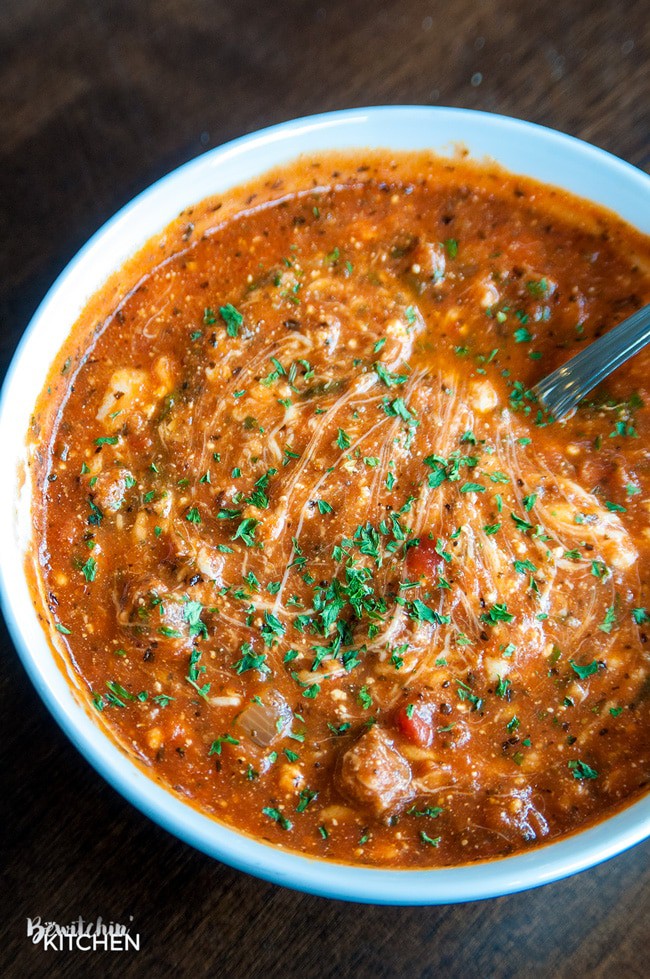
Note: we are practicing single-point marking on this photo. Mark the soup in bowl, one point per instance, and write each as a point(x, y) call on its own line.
point(334, 597)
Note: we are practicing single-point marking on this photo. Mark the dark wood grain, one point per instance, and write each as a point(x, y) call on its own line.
point(97, 99)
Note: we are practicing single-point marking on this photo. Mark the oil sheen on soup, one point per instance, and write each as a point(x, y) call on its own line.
point(319, 558)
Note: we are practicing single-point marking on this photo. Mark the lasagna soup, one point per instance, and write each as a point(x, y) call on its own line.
point(306, 539)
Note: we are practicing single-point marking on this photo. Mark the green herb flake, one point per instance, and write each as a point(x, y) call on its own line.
point(609, 621)
point(497, 613)
point(215, 747)
point(584, 671)
point(431, 841)
point(277, 817)
point(581, 770)
point(389, 379)
point(89, 569)
point(343, 439)
point(306, 796)
point(503, 687)
point(364, 698)
point(232, 318)
point(246, 531)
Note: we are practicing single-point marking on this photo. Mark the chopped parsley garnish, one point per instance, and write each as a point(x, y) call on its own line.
point(246, 531)
point(232, 318)
point(523, 567)
point(538, 289)
point(497, 613)
point(503, 687)
point(599, 570)
point(432, 841)
point(343, 439)
point(609, 621)
point(523, 525)
point(194, 673)
point(215, 747)
point(306, 796)
point(584, 671)
point(96, 516)
point(249, 661)
point(89, 569)
point(364, 698)
point(431, 812)
point(581, 770)
point(277, 817)
point(390, 380)
point(271, 629)
point(465, 693)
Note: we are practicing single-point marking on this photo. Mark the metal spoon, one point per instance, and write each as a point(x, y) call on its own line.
point(561, 391)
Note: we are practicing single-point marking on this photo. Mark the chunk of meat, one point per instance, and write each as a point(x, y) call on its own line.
point(375, 774)
point(127, 389)
point(133, 394)
point(483, 397)
point(428, 262)
point(148, 605)
point(109, 488)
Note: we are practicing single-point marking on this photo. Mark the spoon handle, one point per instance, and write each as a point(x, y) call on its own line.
point(561, 390)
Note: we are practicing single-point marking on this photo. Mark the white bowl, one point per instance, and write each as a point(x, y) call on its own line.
point(519, 146)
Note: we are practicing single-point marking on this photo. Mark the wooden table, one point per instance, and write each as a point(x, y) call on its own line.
point(98, 99)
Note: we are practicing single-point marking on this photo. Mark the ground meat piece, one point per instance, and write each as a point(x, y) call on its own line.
point(374, 773)
point(109, 488)
point(148, 606)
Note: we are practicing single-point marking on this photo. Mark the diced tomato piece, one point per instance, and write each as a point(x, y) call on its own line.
point(415, 721)
point(423, 561)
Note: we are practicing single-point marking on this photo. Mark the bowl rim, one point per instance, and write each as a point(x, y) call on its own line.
point(546, 863)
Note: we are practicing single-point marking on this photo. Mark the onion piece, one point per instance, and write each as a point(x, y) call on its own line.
point(267, 721)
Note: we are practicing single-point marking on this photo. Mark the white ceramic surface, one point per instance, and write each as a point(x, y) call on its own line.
point(519, 146)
